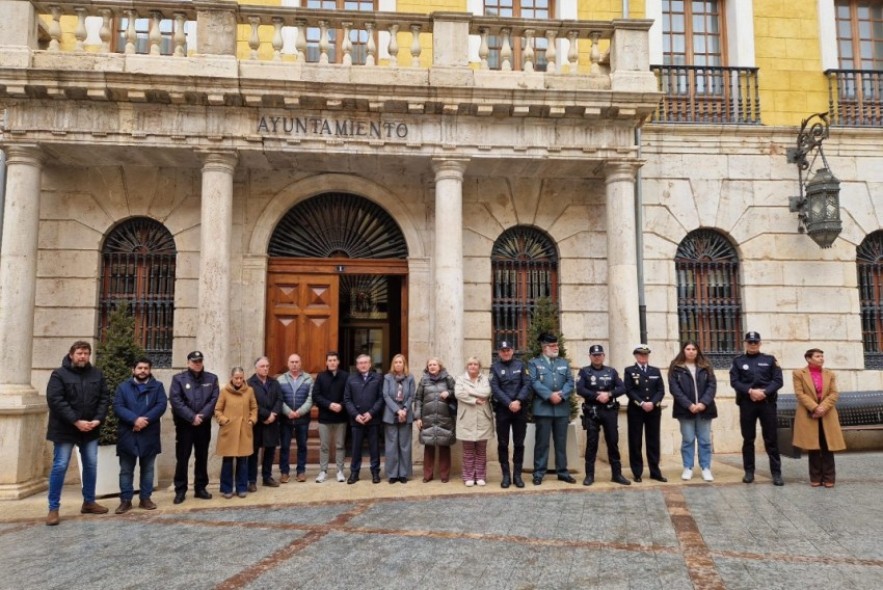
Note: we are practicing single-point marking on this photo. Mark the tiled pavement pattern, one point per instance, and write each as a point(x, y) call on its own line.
point(666, 536)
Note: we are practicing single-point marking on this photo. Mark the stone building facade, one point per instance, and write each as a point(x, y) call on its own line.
point(251, 137)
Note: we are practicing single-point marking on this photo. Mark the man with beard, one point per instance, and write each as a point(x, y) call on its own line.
point(552, 384)
point(78, 398)
point(139, 404)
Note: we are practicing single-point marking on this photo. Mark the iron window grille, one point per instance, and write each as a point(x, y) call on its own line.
point(869, 263)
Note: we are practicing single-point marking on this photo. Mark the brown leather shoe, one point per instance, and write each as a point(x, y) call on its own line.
point(301, 477)
point(147, 504)
point(284, 478)
point(271, 483)
point(252, 487)
point(125, 506)
point(52, 519)
point(93, 508)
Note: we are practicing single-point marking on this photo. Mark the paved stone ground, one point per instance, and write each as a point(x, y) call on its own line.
point(647, 536)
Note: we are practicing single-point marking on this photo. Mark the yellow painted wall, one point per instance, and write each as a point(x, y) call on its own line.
point(788, 53)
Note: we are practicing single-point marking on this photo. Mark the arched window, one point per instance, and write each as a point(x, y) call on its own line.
point(138, 266)
point(709, 297)
point(524, 265)
point(869, 262)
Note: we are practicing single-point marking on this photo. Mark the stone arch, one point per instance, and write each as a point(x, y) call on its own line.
point(302, 190)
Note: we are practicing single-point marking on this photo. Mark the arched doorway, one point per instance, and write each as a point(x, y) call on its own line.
point(336, 280)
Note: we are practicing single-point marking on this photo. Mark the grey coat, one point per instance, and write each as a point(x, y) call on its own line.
point(391, 406)
point(438, 415)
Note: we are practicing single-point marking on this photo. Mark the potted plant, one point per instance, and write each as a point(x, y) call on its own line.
point(545, 319)
point(116, 353)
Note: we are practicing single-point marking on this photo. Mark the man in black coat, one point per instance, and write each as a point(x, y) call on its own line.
point(268, 395)
point(78, 398)
point(193, 396)
point(757, 379)
point(645, 389)
point(510, 386)
point(333, 417)
point(363, 400)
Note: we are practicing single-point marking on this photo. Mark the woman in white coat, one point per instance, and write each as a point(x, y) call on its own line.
point(475, 421)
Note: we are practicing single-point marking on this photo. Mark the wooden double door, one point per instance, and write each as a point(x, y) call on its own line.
point(350, 306)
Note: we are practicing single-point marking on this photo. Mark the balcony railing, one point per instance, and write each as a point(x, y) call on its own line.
point(856, 97)
point(707, 95)
point(280, 33)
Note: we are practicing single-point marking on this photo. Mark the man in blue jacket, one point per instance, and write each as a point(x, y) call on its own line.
point(139, 404)
point(363, 400)
point(193, 394)
point(78, 398)
point(552, 384)
point(511, 392)
point(645, 389)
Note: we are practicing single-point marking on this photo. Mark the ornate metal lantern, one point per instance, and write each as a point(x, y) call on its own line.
point(818, 205)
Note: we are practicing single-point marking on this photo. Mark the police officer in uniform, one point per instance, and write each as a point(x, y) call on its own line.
point(645, 389)
point(510, 387)
point(757, 378)
point(552, 384)
point(600, 385)
point(193, 396)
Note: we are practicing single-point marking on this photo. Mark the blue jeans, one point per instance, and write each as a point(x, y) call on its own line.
point(127, 475)
point(691, 430)
point(299, 432)
point(227, 465)
point(61, 458)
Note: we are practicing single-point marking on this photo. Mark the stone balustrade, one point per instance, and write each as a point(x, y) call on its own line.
point(278, 33)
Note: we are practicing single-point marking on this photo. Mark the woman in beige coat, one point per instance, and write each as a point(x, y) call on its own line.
point(816, 423)
point(236, 413)
point(475, 421)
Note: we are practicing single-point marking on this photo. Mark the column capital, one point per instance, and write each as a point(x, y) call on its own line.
point(219, 160)
point(621, 170)
point(449, 168)
point(29, 154)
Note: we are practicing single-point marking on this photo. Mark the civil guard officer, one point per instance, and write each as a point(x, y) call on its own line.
point(600, 385)
point(510, 386)
point(552, 384)
point(645, 389)
point(757, 379)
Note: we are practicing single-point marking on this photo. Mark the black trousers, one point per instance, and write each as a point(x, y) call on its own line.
point(606, 419)
point(749, 413)
point(190, 438)
point(517, 422)
point(821, 462)
point(372, 431)
point(639, 422)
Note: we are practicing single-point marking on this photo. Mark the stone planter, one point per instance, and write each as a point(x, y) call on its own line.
point(574, 448)
point(107, 482)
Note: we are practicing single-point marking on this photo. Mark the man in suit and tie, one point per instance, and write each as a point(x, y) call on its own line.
point(645, 389)
point(363, 400)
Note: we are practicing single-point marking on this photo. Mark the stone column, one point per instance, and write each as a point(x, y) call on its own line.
point(215, 244)
point(22, 410)
point(448, 254)
point(622, 266)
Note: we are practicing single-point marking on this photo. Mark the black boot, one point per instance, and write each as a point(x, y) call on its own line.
point(516, 476)
point(616, 468)
point(507, 480)
point(590, 475)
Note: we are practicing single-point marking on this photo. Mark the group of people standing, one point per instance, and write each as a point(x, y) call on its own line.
point(259, 414)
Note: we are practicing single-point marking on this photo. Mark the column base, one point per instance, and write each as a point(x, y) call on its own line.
point(23, 432)
point(17, 491)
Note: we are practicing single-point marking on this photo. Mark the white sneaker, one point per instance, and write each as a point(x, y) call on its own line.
point(469, 483)
point(687, 474)
point(481, 482)
point(706, 475)
point(341, 477)
point(321, 477)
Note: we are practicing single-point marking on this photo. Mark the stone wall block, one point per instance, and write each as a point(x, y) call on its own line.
point(68, 263)
point(66, 235)
point(477, 296)
point(571, 222)
point(735, 197)
point(749, 167)
point(664, 222)
point(583, 244)
point(73, 291)
point(71, 321)
point(679, 198)
point(493, 198)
